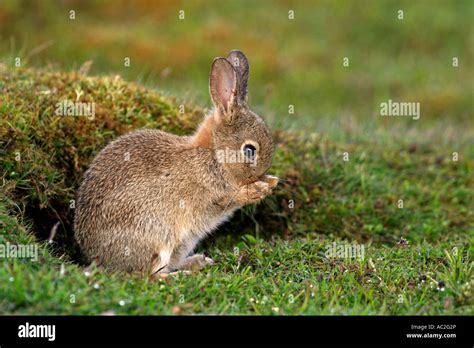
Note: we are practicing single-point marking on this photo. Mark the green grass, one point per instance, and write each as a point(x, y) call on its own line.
point(278, 277)
point(270, 258)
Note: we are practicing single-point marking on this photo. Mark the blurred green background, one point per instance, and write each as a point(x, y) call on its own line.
point(295, 62)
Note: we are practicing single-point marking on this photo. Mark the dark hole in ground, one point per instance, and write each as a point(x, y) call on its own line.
point(44, 221)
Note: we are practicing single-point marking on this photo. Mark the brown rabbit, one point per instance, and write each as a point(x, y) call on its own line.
point(149, 196)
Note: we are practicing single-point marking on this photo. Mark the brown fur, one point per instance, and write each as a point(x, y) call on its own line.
point(203, 137)
point(149, 196)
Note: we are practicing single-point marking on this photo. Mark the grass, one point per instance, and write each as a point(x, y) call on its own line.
point(401, 194)
point(269, 278)
point(271, 259)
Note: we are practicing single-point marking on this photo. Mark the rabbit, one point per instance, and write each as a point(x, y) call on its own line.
point(149, 197)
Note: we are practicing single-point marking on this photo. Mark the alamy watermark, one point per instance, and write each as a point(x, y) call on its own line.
point(234, 156)
point(345, 250)
point(21, 251)
point(393, 108)
point(28, 330)
point(69, 108)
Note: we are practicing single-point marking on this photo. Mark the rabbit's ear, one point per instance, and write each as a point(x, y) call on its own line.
point(223, 85)
point(241, 65)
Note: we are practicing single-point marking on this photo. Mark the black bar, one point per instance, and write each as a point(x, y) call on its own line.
point(222, 330)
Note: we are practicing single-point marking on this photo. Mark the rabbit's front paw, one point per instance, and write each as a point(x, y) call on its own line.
point(271, 180)
point(255, 192)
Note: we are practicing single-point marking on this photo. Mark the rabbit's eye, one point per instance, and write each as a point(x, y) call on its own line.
point(250, 151)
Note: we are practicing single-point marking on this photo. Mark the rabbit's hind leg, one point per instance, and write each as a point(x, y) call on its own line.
point(183, 259)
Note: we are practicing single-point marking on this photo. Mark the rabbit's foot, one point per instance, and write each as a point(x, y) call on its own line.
point(196, 262)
